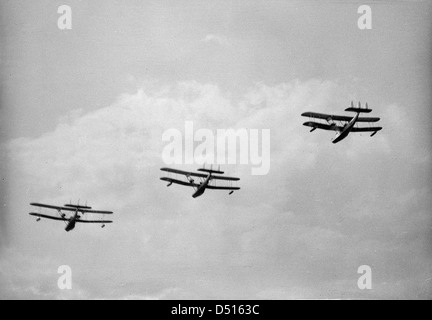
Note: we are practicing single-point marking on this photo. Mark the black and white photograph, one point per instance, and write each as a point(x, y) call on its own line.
point(215, 150)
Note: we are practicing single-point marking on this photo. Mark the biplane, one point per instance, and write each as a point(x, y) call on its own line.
point(206, 180)
point(77, 212)
point(343, 125)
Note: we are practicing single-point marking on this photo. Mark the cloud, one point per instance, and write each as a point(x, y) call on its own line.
point(322, 210)
point(215, 38)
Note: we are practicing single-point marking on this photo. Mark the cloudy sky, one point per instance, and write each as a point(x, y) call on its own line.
point(82, 113)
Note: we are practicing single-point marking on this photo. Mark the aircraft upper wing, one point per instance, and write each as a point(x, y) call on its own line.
point(184, 183)
point(194, 174)
point(322, 126)
point(338, 118)
point(47, 217)
point(368, 129)
point(96, 211)
point(186, 173)
point(41, 205)
point(93, 221)
point(48, 206)
point(326, 116)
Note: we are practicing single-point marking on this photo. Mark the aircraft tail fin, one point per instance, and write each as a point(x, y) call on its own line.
point(211, 170)
point(359, 108)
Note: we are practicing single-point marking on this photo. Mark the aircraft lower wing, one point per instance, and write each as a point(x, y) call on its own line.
point(94, 221)
point(368, 119)
point(186, 173)
point(323, 126)
point(184, 183)
point(47, 216)
point(222, 188)
point(338, 118)
point(368, 129)
point(225, 178)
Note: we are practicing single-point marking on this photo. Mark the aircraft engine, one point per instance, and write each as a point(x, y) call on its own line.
point(103, 226)
point(191, 180)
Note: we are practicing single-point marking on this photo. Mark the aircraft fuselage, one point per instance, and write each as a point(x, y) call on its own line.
point(72, 221)
point(201, 189)
point(346, 130)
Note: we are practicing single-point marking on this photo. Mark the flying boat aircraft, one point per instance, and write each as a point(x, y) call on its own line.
point(77, 212)
point(346, 124)
point(206, 180)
